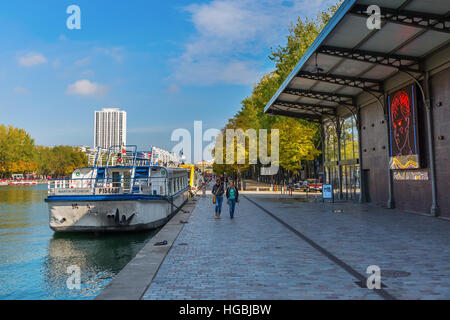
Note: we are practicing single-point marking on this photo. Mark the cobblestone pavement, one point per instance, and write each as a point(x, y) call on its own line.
point(256, 257)
point(364, 235)
point(250, 257)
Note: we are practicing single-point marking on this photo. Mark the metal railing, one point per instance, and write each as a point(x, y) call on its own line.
point(102, 186)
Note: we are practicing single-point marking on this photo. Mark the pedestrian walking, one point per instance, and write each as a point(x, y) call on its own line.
point(233, 197)
point(290, 186)
point(218, 191)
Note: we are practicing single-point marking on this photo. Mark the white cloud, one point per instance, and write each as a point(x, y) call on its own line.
point(32, 59)
point(21, 91)
point(210, 71)
point(115, 53)
point(88, 73)
point(232, 37)
point(82, 62)
point(56, 63)
point(173, 88)
point(86, 88)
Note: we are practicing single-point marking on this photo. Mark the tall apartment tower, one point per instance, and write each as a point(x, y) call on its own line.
point(110, 128)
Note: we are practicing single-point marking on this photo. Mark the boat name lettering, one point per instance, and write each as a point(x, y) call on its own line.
point(108, 190)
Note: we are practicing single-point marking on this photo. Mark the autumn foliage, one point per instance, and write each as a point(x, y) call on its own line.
point(18, 154)
point(299, 139)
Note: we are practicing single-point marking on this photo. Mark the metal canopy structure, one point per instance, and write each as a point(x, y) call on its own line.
point(348, 58)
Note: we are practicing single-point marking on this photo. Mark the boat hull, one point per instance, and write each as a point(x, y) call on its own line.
point(112, 214)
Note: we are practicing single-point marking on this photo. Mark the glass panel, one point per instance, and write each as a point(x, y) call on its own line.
point(349, 139)
point(330, 143)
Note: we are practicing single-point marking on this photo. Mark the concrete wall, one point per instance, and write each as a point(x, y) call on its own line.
point(373, 140)
point(410, 195)
point(440, 93)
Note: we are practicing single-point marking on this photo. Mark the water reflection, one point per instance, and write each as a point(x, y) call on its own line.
point(34, 260)
point(23, 195)
point(99, 258)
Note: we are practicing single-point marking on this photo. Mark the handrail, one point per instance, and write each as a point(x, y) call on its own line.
point(163, 186)
point(127, 185)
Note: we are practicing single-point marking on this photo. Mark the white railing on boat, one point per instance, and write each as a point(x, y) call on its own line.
point(87, 186)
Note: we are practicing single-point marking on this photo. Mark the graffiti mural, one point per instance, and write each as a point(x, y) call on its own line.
point(403, 129)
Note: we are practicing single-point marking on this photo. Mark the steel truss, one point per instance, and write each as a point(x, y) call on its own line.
point(315, 109)
point(325, 96)
point(385, 59)
point(356, 82)
point(278, 112)
point(422, 20)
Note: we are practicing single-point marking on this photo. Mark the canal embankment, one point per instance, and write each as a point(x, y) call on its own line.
point(34, 260)
point(282, 247)
point(133, 281)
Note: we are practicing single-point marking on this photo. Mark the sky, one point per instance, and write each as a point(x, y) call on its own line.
point(167, 63)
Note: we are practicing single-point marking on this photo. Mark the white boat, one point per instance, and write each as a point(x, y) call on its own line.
point(122, 191)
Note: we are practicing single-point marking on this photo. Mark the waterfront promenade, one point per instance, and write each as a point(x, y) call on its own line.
point(282, 248)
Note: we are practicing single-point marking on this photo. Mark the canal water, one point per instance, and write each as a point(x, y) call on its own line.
point(34, 261)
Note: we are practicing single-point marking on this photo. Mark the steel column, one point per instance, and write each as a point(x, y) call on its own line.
point(322, 137)
point(391, 200)
point(434, 205)
point(362, 189)
point(338, 135)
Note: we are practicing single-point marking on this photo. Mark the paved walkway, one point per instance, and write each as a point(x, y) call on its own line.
point(315, 254)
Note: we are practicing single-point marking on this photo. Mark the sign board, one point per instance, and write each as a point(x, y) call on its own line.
point(73, 191)
point(403, 133)
point(107, 191)
point(327, 191)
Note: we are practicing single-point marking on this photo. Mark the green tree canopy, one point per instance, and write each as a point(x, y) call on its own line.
point(18, 154)
point(299, 139)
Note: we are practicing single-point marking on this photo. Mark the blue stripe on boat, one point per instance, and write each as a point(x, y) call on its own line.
point(113, 197)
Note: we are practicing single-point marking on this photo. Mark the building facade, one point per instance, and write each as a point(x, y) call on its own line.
point(110, 128)
point(383, 98)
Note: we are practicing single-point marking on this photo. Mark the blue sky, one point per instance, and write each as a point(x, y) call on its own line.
point(167, 63)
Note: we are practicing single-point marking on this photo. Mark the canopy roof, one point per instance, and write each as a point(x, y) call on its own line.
point(348, 58)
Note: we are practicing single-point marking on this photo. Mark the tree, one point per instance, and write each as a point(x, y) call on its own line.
point(18, 154)
point(16, 151)
point(296, 143)
point(302, 141)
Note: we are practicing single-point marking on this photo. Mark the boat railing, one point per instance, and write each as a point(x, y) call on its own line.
point(116, 158)
point(107, 186)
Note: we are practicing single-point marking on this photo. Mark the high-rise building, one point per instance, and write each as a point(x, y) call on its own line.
point(110, 128)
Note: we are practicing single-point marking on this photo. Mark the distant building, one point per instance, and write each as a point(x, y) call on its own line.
point(84, 149)
point(110, 128)
point(206, 166)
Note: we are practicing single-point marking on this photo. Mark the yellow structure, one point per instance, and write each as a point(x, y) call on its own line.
point(192, 176)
